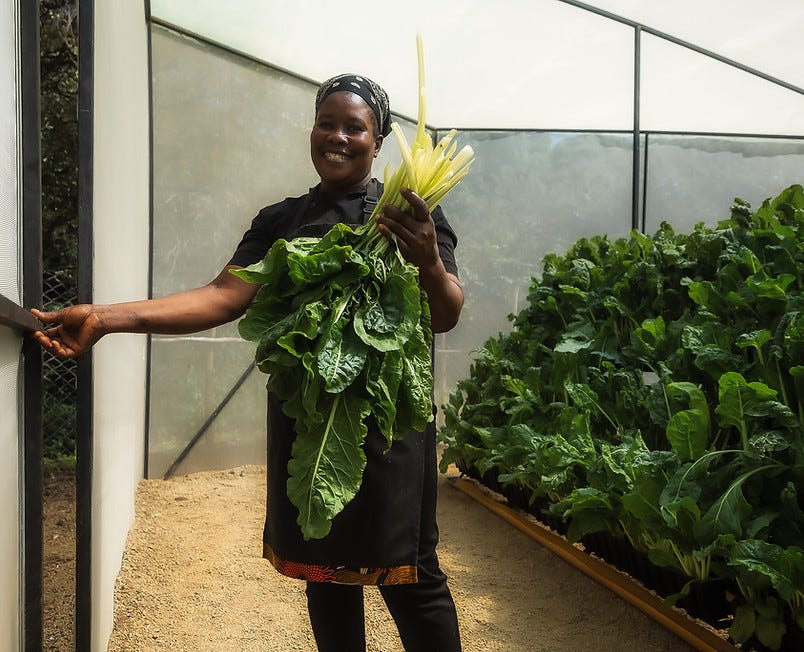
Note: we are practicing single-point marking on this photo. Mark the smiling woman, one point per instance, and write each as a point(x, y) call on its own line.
point(387, 534)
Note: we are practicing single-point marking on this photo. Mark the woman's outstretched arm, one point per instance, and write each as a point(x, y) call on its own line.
point(75, 329)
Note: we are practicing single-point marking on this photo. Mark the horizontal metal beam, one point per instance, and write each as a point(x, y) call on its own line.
point(16, 317)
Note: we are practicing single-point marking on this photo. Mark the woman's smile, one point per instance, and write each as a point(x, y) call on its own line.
point(336, 156)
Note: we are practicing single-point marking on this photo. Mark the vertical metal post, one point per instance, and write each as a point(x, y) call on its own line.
point(635, 185)
point(149, 345)
point(643, 222)
point(31, 296)
point(84, 444)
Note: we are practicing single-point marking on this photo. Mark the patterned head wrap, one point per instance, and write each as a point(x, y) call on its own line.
point(372, 94)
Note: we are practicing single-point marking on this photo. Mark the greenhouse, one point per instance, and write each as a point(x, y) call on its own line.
point(627, 372)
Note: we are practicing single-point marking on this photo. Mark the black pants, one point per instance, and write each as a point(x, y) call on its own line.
point(424, 614)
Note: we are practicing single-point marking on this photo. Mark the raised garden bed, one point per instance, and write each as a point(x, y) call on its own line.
point(702, 618)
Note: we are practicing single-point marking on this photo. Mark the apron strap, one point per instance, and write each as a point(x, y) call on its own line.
point(370, 200)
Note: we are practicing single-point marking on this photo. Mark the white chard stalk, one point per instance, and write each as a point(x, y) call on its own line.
point(431, 172)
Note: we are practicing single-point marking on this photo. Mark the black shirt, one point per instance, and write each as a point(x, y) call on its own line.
point(312, 215)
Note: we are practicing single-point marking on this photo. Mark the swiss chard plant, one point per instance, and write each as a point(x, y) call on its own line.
point(653, 389)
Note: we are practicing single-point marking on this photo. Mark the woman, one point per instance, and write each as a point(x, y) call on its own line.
point(387, 535)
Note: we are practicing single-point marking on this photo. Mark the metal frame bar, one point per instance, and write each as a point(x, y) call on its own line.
point(149, 338)
point(637, 136)
point(646, 149)
point(31, 295)
point(84, 412)
point(615, 132)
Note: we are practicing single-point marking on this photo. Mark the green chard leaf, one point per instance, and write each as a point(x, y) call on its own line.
point(272, 269)
point(414, 406)
point(737, 399)
point(340, 357)
point(688, 432)
point(687, 429)
point(326, 467)
point(383, 377)
point(387, 319)
point(306, 269)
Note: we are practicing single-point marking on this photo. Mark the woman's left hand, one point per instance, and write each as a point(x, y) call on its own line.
point(416, 238)
point(415, 233)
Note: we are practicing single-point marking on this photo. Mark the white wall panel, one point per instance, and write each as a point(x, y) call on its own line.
point(9, 154)
point(10, 500)
point(121, 242)
point(10, 551)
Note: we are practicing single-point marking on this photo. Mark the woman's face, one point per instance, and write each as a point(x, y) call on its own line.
point(344, 142)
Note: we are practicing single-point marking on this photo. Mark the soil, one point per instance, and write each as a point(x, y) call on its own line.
point(192, 578)
point(58, 560)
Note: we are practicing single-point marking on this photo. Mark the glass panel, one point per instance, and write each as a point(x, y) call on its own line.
point(527, 195)
point(694, 179)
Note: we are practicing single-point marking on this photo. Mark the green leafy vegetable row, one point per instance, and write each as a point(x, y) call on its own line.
point(653, 389)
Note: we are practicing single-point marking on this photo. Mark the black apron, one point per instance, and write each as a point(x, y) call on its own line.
point(387, 533)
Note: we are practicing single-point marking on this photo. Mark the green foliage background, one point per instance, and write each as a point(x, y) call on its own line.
point(59, 88)
point(59, 142)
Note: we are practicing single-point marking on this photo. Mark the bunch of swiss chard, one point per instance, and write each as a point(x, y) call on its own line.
point(653, 389)
point(343, 329)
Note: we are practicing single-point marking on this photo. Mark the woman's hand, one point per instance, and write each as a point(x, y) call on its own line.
point(76, 331)
point(418, 244)
point(415, 234)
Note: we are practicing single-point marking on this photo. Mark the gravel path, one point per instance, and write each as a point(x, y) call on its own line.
point(193, 579)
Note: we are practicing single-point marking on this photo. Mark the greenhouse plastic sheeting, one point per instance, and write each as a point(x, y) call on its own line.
point(231, 135)
point(696, 178)
point(530, 194)
point(535, 64)
point(10, 343)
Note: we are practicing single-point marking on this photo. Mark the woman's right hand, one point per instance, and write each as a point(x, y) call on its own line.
point(75, 330)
